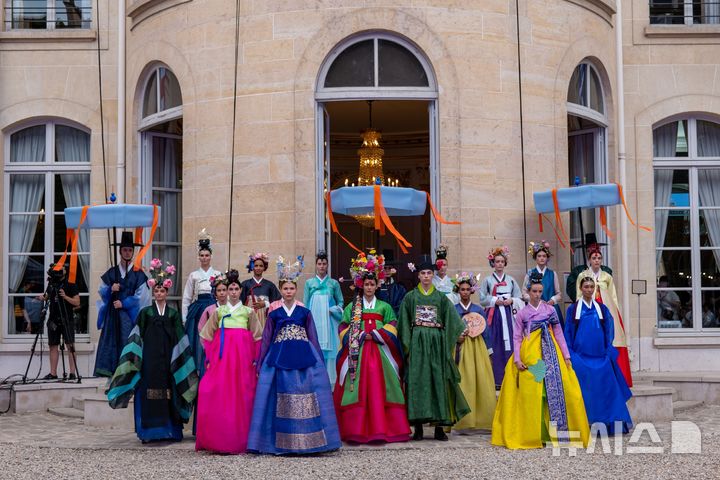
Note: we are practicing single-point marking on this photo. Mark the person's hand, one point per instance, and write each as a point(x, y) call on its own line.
point(507, 302)
point(27, 328)
point(258, 305)
point(551, 302)
point(520, 365)
point(568, 363)
point(117, 304)
point(461, 339)
point(61, 292)
point(500, 302)
point(115, 287)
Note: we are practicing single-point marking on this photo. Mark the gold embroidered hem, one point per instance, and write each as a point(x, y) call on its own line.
point(298, 406)
point(291, 332)
point(158, 394)
point(300, 441)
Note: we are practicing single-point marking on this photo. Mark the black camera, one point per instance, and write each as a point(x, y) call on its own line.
point(55, 277)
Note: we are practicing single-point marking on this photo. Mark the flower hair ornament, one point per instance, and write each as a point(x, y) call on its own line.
point(465, 277)
point(536, 247)
point(218, 279)
point(160, 276)
point(204, 241)
point(503, 251)
point(363, 264)
point(289, 272)
point(263, 256)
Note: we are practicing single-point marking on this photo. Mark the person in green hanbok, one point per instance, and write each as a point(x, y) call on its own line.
point(429, 328)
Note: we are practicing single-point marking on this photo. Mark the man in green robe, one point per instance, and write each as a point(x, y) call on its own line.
point(429, 327)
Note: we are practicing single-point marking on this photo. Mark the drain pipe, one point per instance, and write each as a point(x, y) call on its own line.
point(621, 163)
point(120, 190)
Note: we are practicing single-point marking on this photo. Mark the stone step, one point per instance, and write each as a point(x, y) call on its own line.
point(697, 385)
point(66, 412)
point(99, 414)
point(682, 405)
point(40, 396)
point(651, 403)
point(78, 402)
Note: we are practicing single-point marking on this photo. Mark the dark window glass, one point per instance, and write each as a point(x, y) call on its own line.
point(354, 67)
point(398, 67)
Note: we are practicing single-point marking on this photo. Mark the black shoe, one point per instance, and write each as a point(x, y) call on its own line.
point(418, 435)
point(50, 376)
point(72, 376)
point(440, 434)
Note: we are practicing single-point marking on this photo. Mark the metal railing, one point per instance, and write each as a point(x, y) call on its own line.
point(46, 16)
point(684, 12)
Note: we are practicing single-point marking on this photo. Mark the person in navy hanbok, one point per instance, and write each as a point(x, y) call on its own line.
point(589, 332)
point(293, 411)
point(552, 295)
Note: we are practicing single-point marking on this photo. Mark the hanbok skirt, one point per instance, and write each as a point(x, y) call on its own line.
point(477, 384)
point(170, 430)
point(195, 311)
point(294, 412)
point(226, 393)
point(115, 331)
point(500, 355)
point(522, 417)
point(380, 413)
point(327, 328)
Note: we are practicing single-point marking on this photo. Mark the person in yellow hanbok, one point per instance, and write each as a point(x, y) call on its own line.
point(473, 357)
point(540, 399)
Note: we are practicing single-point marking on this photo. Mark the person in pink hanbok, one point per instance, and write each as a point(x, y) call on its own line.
point(227, 390)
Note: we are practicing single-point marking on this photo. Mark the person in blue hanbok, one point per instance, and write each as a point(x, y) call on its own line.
point(500, 296)
point(391, 291)
point(293, 411)
point(324, 299)
point(552, 294)
point(123, 292)
point(589, 332)
point(157, 369)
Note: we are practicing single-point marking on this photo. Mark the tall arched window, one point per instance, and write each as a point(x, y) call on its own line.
point(161, 175)
point(47, 168)
point(686, 158)
point(384, 81)
point(587, 146)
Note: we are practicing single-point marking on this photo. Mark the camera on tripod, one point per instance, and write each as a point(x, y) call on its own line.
point(55, 282)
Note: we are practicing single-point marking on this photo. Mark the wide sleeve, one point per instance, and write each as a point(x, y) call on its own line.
point(139, 299)
point(103, 304)
point(559, 336)
point(516, 292)
point(312, 333)
point(267, 337)
point(518, 333)
point(274, 293)
point(405, 321)
point(337, 309)
point(202, 322)
point(486, 297)
point(524, 288)
point(557, 298)
point(183, 370)
point(208, 331)
point(127, 374)
point(612, 291)
point(307, 292)
point(570, 325)
point(187, 297)
point(609, 331)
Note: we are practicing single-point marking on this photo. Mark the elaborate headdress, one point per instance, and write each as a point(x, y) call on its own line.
point(218, 279)
point(465, 277)
point(503, 251)
point(232, 276)
point(364, 266)
point(289, 272)
point(264, 257)
point(535, 278)
point(441, 252)
point(591, 245)
point(159, 275)
point(422, 264)
point(204, 241)
point(536, 247)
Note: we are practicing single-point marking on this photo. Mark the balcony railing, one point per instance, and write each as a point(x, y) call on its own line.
point(47, 14)
point(684, 12)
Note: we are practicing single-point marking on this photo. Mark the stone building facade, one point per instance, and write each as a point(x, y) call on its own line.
point(516, 101)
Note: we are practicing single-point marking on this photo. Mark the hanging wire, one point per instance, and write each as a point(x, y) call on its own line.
point(522, 133)
point(234, 122)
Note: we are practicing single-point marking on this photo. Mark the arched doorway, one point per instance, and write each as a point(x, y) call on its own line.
point(587, 147)
point(161, 163)
point(381, 81)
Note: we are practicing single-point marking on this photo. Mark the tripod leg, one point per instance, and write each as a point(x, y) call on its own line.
point(32, 354)
point(62, 358)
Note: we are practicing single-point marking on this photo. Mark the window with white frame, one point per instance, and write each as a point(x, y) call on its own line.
point(161, 179)
point(47, 168)
point(47, 14)
point(587, 149)
point(684, 12)
point(686, 162)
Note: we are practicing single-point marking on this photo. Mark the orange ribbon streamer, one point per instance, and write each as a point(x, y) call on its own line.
point(436, 214)
point(138, 235)
point(557, 234)
point(381, 214)
point(137, 264)
point(627, 212)
point(334, 227)
point(69, 233)
point(603, 222)
point(558, 218)
point(72, 275)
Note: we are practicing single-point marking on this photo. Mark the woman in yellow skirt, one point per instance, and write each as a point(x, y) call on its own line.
point(473, 356)
point(540, 389)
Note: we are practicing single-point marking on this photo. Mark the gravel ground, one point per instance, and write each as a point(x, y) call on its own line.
point(25, 457)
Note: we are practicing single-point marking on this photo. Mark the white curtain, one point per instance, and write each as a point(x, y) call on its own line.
point(711, 11)
point(665, 139)
point(73, 145)
point(167, 158)
point(26, 194)
point(709, 180)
